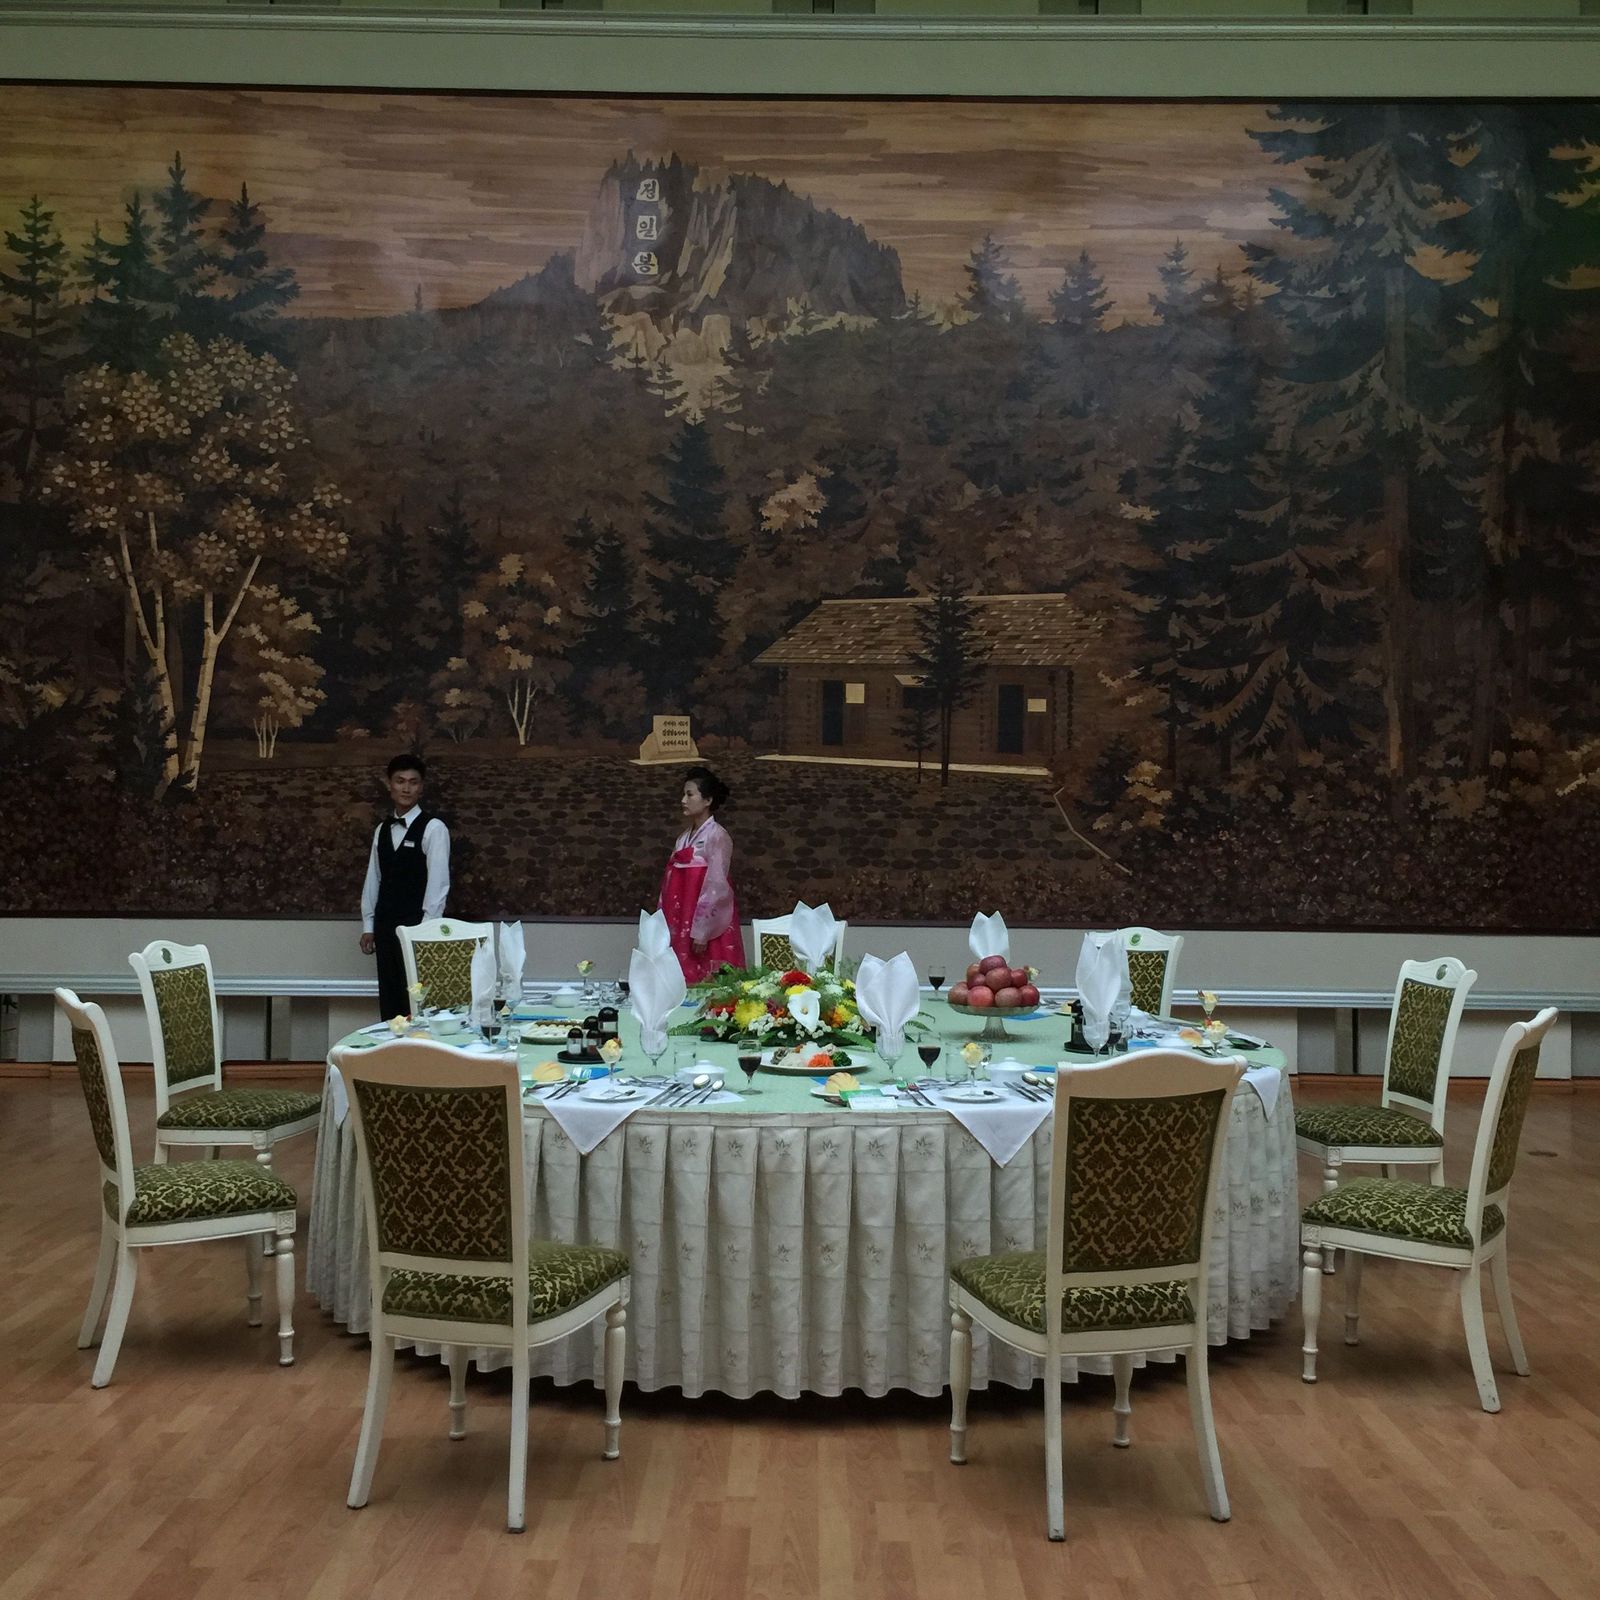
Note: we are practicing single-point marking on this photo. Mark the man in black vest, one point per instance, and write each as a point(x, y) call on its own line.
point(408, 879)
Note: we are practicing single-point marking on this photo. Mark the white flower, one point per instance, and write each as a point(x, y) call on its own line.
point(806, 1009)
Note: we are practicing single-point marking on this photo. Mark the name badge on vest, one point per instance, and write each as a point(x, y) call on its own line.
point(409, 844)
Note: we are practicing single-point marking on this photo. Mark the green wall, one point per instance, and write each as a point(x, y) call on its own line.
point(1156, 56)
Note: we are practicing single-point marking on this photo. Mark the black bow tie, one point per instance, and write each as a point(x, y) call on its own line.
point(400, 820)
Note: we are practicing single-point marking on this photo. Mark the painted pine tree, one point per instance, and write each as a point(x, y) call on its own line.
point(253, 292)
point(690, 558)
point(1358, 287)
point(187, 261)
point(32, 345)
point(121, 326)
point(949, 658)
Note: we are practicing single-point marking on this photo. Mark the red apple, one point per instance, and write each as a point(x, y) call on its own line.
point(973, 972)
point(1030, 995)
point(995, 964)
point(1019, 976)
point(980, 994)
point(1008, 998)
point(958, 994)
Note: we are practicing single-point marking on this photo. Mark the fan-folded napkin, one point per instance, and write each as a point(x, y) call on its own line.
point(655, 990)
point(655, 938)
point(888, 994)
point(1102, 983)
point(513, 957)
point(813, 932)
point(484, 978)
point(989, 936)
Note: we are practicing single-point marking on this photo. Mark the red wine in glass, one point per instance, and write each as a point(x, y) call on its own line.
point(749, 1060)
point(929, 1053)
point(937, 980)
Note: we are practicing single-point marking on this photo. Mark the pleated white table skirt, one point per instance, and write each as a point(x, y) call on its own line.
point(810, 1254)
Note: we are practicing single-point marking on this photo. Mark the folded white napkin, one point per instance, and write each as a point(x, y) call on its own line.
point(1266, 1081)
point(484, 980)
point(892, 993)
point(586, 1122)
point(1102, 983)
point(655, 938)
point(866, 983)
point(813, 931)
point(989, 936)
point(513, 957)
point(335, 1095)
point(1001, 1126)
point(655, 990)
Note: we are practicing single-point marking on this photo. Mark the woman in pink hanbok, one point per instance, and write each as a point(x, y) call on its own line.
point(697, 888)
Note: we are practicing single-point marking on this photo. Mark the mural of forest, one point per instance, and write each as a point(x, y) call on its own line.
point(334, 424)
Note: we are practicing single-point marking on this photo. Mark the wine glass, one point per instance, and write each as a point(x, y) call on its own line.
point(654, 1046)
point(585, 968)
point(937, 980)
point(930, 1050)
point(890, 1045)
point(749, 1061)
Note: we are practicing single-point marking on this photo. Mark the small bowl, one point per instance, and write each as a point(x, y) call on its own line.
point(1008, 1070)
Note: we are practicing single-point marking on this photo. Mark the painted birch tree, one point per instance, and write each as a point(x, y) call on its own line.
point(185, 479)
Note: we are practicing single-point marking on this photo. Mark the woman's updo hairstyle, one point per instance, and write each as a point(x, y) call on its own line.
point(714, 791)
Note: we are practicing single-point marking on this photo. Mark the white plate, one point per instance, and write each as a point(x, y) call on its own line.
point(978, 1095)
point(612, 1091)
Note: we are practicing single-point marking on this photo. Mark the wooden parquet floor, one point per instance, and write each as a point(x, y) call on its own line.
point(205, 1471)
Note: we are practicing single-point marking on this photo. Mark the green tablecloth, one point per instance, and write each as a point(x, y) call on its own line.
point(1039, 1043)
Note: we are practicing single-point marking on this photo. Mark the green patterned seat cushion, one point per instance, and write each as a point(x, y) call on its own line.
point(1012, 1285)
point(240, 1108)
point(560, 1276)
point(1393, 1209)
point(196, 1191)
point(1374, 1125)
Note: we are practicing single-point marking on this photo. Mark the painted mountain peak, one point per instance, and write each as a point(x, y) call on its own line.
point(680, 243)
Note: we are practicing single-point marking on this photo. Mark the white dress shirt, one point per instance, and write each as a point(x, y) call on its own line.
point(435, 847)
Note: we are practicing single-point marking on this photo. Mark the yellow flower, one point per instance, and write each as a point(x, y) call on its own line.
point(746, 1012)
point(748, 986)
point(797, 988)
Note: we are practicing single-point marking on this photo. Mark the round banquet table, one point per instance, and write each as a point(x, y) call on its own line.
point(784, 1245)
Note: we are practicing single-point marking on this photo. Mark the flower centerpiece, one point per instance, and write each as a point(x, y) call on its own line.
point(778, 1006)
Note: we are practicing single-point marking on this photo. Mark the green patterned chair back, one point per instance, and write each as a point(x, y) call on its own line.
point(774, 948)
point(440, 1143)
point(1152, 966)
point(444, 969)
point(1147, 973)
point(1505, 1108)
point(1427, 1008)
point(181, 1011)
point(1137, 1179)
point(100, 1077)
